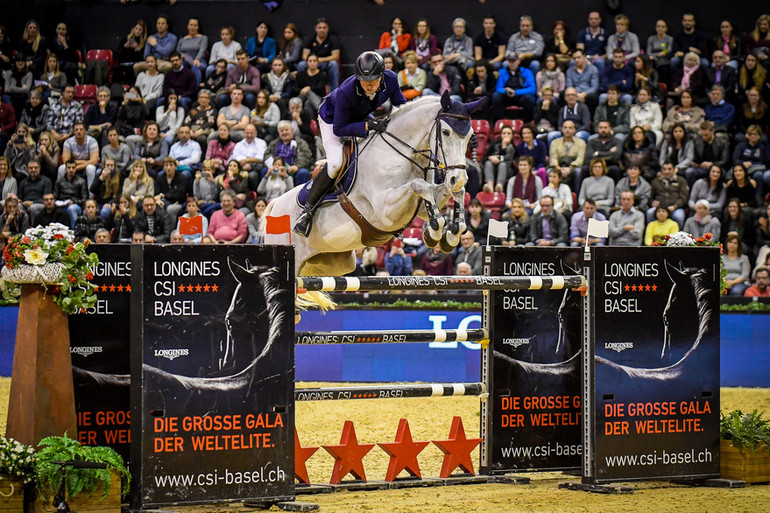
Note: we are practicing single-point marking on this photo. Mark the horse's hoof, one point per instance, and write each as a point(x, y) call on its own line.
point(428, 240)
point(446, 246)
point(452, 238)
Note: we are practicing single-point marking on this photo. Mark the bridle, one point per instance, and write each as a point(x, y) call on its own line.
point(435, 156)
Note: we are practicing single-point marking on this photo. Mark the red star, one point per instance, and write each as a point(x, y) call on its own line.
point(403, 453)
point(654, 287)
point(628, 288)
point(301, 455)
point(128, 288)
point(112, 288)
point(457, 450)
point(647, 287)
point(120, 288)
point(104, 288)
point(181, 288)
point(206, 288)
point(214, 288)
point(633, 287)
point(189, 288)
point(198, 288)
point(348, 456)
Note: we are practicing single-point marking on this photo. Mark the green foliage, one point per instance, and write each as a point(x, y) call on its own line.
point(85, 480)
point(754, 306)
point(745, 430)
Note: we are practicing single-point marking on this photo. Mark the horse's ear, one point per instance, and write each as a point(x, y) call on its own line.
point(238, 271)
point(446, 101)
point(673, 272)
point(478, 104)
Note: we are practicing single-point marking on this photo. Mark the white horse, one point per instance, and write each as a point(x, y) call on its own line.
point(395, 181)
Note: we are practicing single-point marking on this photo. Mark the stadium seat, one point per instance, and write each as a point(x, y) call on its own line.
point(492, 201)
point(86, 95)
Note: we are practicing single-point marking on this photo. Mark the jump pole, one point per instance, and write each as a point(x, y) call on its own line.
point(390, 336)
point(391, 391)
point(353, 284)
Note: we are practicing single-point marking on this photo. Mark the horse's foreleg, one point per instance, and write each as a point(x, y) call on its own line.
point(458, 222)
point(435, 220)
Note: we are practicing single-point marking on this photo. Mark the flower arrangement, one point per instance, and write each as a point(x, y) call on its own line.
point(50, 256)
point(684, 239)
point(17, 460)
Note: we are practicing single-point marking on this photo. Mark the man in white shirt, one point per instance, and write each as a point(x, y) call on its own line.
point(250, 153)
point(186, 152)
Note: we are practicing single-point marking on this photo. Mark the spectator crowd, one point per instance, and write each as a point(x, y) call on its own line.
point(171, 137)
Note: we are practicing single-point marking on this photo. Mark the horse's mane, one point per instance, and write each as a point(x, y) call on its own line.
point(419, 103)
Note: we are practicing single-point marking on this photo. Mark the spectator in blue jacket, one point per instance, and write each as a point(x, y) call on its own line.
point(584, 77)
point(515, 86)
point(719, 111)
point(261, 48)
point(397, 262)
point(620, 75)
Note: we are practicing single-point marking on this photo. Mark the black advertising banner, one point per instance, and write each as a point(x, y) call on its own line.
point(655, 326)
point(100, 349)
point(212, 373)
point(534, 414)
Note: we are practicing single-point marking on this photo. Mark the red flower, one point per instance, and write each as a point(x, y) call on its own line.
point(58, 236)
point(86, 243)
point(71, 278)
point(70, 249)
point(55, 289)
point(89, 276)
point(26, 240)
point(708, 236)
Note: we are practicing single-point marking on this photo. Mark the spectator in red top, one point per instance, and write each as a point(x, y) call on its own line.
point(228, 226)
point(396, 40)
point(437, 263)
point(760, 288)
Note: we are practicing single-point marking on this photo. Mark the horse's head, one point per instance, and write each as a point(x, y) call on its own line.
point(453, 130)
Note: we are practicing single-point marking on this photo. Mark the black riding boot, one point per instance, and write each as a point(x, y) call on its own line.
point(321, 185)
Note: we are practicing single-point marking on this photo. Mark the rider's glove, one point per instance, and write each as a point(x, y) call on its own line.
point(378, 125)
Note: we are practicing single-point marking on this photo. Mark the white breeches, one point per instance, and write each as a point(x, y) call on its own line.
point(332, 146)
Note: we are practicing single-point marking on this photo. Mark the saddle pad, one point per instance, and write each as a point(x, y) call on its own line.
point(345, 180)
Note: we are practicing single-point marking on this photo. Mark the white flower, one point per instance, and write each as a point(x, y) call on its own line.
point(683, 239)
point(35, 256)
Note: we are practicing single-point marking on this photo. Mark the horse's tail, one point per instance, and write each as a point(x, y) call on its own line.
point(315, 299)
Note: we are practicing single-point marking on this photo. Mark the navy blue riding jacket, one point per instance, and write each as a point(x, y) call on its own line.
point(347, 108)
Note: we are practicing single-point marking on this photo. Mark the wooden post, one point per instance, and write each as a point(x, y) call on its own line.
point(42, 399)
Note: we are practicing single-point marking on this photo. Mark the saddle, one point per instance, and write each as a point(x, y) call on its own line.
point(370, 235)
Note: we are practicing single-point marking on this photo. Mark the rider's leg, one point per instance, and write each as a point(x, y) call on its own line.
point(322, 183)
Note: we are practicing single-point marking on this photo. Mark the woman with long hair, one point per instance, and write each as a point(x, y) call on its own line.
point(150, 148)
point(254, 221)
point(150, 81)
point(261, 47)
point(753, 112)
point(498, 161)
point(758, 41)
point(130, 50)
point(291, 46)
point(550, 75)
point(33, 47)
point(560, 192)
point(169, 116)
point(20, 151)
point(736, 264)
point(525, 184)
point(120, 218)
point(686, 113)
point(237, 180)
point(639, 150)
point(743, 188)
point(678, 149)
point(729, 43)
point(559, 45)
point(737, 220)
point(712, 189)
point(139, 183)
point(751, 153)
point(266, 116)
point(8, 184)
point(107, 186)
point(532, 147)
point(132, 116)
point(751, 74)
point(477, 219)
point(88, 222)
point(396, 40)
point(225, 48)
point(47, 155)
point(279, 84)
point(55, 80)
point(518, 223)
point(646, 75)
point(424, 44)
point(646, 113)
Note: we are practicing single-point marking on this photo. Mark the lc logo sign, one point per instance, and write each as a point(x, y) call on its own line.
point(438, 324)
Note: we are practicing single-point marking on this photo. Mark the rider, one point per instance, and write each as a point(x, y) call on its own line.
point(346, 112)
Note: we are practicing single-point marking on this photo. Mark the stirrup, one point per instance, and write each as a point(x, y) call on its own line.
point(304, 223)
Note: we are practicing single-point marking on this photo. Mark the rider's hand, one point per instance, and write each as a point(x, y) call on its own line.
point(378, 125)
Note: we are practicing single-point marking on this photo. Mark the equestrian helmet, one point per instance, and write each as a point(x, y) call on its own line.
point(370, 66)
